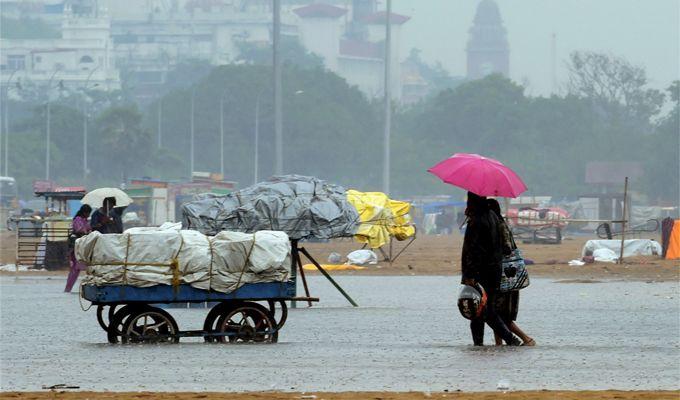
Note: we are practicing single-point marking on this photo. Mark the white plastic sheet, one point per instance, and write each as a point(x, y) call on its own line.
point(631, 247)
point(361, 257)
point(164, 256)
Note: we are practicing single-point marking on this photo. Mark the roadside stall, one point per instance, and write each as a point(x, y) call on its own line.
point(42, 241)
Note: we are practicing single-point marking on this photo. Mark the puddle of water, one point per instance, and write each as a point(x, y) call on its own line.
point(407, 335)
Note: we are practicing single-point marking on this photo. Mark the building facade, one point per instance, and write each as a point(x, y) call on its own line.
point(146, 39)
point(82, 56)
point(352, 43)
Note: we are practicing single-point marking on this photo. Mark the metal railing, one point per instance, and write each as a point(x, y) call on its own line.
point(42, 243)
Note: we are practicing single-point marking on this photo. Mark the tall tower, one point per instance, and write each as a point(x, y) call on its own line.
point(487, 49)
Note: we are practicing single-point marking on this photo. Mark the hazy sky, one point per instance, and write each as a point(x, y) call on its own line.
point(646, 32)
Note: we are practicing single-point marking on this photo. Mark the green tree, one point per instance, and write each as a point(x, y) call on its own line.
point(613, 81)
point(330, 130)
point(663, 151)
point(121, 143)
point(484, 116)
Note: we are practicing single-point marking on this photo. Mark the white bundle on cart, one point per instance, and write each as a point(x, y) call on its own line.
point(169, 256)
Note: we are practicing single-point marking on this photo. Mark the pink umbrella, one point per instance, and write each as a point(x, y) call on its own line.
point(480, 175)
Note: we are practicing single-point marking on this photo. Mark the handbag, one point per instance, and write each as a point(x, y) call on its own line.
point(514, 274)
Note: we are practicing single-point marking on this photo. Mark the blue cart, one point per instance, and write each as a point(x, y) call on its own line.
point(129, 314)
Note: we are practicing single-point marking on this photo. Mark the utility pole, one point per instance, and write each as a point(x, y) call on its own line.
point(553, 63)
point(388, 99)
point(160, 118)
point(47, 142)
point(222, 133)
point(278, 123)
point(191, 139)
point(6, 122)
point(86, 110)
point(257, 140)
point(47, 128)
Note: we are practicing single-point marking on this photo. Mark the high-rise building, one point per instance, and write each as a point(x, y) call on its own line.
point(487, 49)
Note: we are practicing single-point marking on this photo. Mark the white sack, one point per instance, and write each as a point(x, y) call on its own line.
point(605, 255)
point(144, 257)
point(631, 247)
point(361, 257)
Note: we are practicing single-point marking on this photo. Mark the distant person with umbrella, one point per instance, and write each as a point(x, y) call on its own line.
point(107, 219)
point(80, 228)
point(110, 203)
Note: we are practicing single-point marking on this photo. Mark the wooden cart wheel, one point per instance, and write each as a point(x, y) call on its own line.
point(116, 322)
point(248, 322)
point(150, 325)
point(209, 325)
point(284, 312)
point(100, 315)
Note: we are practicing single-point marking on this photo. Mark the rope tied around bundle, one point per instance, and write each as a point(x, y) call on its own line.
point(245, 264)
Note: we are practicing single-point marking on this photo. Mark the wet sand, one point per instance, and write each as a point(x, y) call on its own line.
point(536, 395)
point(440, 255)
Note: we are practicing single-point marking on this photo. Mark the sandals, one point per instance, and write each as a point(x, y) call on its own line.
point(530, 342)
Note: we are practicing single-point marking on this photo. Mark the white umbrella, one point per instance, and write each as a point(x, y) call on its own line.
point(96, 197)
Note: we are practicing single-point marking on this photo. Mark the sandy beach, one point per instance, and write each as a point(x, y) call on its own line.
point(528, 395)
point(440, 255)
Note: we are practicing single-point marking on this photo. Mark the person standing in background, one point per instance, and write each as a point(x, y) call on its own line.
point(80, 228)
point(108, 218)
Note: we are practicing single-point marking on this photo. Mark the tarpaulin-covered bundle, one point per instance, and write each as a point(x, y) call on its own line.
point(631, 247)
point(381, 218)
point(302, 207)
point(169, 256)
point(552, 216)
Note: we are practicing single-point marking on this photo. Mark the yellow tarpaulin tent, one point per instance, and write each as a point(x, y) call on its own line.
point(381, 218)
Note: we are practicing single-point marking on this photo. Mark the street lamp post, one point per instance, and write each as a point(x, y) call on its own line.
point(257, 140)
point(191, 139)
point(276, 61)
point(160, 118)
point(222, 133)
point(6, 133)
point(47, 128)
point(85, 117)
point(388, 99)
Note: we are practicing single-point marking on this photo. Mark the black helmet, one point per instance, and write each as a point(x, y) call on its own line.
point(471, 301)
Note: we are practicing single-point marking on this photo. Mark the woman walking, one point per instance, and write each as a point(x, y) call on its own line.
point(481, 263)
point(80, 228)
point(507, 304)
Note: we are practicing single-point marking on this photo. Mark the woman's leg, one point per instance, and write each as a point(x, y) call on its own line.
point(514, 328)
point(499, 340)
point(72, 274)
point(499, 327)
point(501, 303)
point(477, 329)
